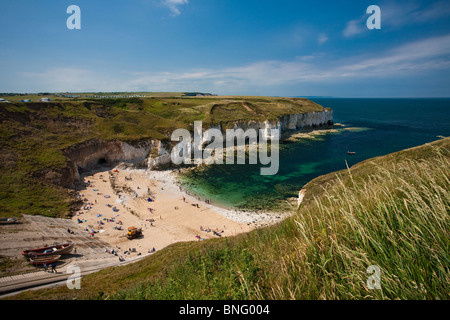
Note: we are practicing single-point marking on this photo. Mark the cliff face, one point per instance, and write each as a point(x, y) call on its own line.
point(305, 120)
point(161, 156)
point(155, 154)
point(97, 151)
point(285, 123)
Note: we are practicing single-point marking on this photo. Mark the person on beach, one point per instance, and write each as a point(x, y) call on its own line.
point(54, 267)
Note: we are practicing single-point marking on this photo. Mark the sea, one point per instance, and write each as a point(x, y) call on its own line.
point(368, 127)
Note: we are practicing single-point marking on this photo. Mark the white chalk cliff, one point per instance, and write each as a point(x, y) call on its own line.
point(155, 154)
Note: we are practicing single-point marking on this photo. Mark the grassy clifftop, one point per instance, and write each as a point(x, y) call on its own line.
point(391, 212)
point(33, 134)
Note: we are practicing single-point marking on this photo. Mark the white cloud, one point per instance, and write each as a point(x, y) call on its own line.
point(400, 14)
point(354, 27)
point(64, 79)
point(173, 5)
point(411, 60)
point(322, 38)
point(426, 54)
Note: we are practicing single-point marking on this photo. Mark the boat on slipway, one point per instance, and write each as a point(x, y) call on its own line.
point(58, 249)
point(44, 260)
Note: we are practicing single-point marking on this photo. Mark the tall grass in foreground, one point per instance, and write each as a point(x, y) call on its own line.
point(394, 216)
point(397, 219)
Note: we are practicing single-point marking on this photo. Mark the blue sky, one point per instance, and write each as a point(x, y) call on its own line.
point(245, 47)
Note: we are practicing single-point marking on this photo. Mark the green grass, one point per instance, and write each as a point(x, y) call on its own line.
point(395, 217)
point(390, 211)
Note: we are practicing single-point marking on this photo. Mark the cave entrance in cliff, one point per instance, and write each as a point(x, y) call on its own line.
point(102, 161)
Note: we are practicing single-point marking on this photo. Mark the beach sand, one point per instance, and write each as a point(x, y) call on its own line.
point(172, 215)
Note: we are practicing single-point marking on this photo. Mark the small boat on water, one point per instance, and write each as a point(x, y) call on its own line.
point(44, 260)
point(351, 152)
point(58, 249)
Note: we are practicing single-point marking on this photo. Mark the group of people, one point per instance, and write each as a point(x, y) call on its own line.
point(110, 220)
point(196, 204)
point(192, 204)
point(126, 252)
point(52, 266)
point(199, 238)
point(151, 221)
point(92, 232)
point(112, 251)
point(88, 206)
point(219, 234)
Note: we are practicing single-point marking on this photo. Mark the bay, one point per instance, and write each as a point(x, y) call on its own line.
point(369, 127)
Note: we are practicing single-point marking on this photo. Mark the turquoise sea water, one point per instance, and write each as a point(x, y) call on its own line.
point(378, 127)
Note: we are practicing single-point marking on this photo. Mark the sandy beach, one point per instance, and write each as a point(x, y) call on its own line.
point(152, 200)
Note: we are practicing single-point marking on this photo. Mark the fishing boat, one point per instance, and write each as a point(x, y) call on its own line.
point(58, 249)
point(351, 152)
point(44, 260)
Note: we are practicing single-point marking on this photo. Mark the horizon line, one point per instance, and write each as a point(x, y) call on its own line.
point(218, 95)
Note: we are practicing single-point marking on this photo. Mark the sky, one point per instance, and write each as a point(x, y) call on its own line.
point(227, 47)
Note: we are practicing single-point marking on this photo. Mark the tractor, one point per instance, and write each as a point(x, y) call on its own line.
point(134, 232)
